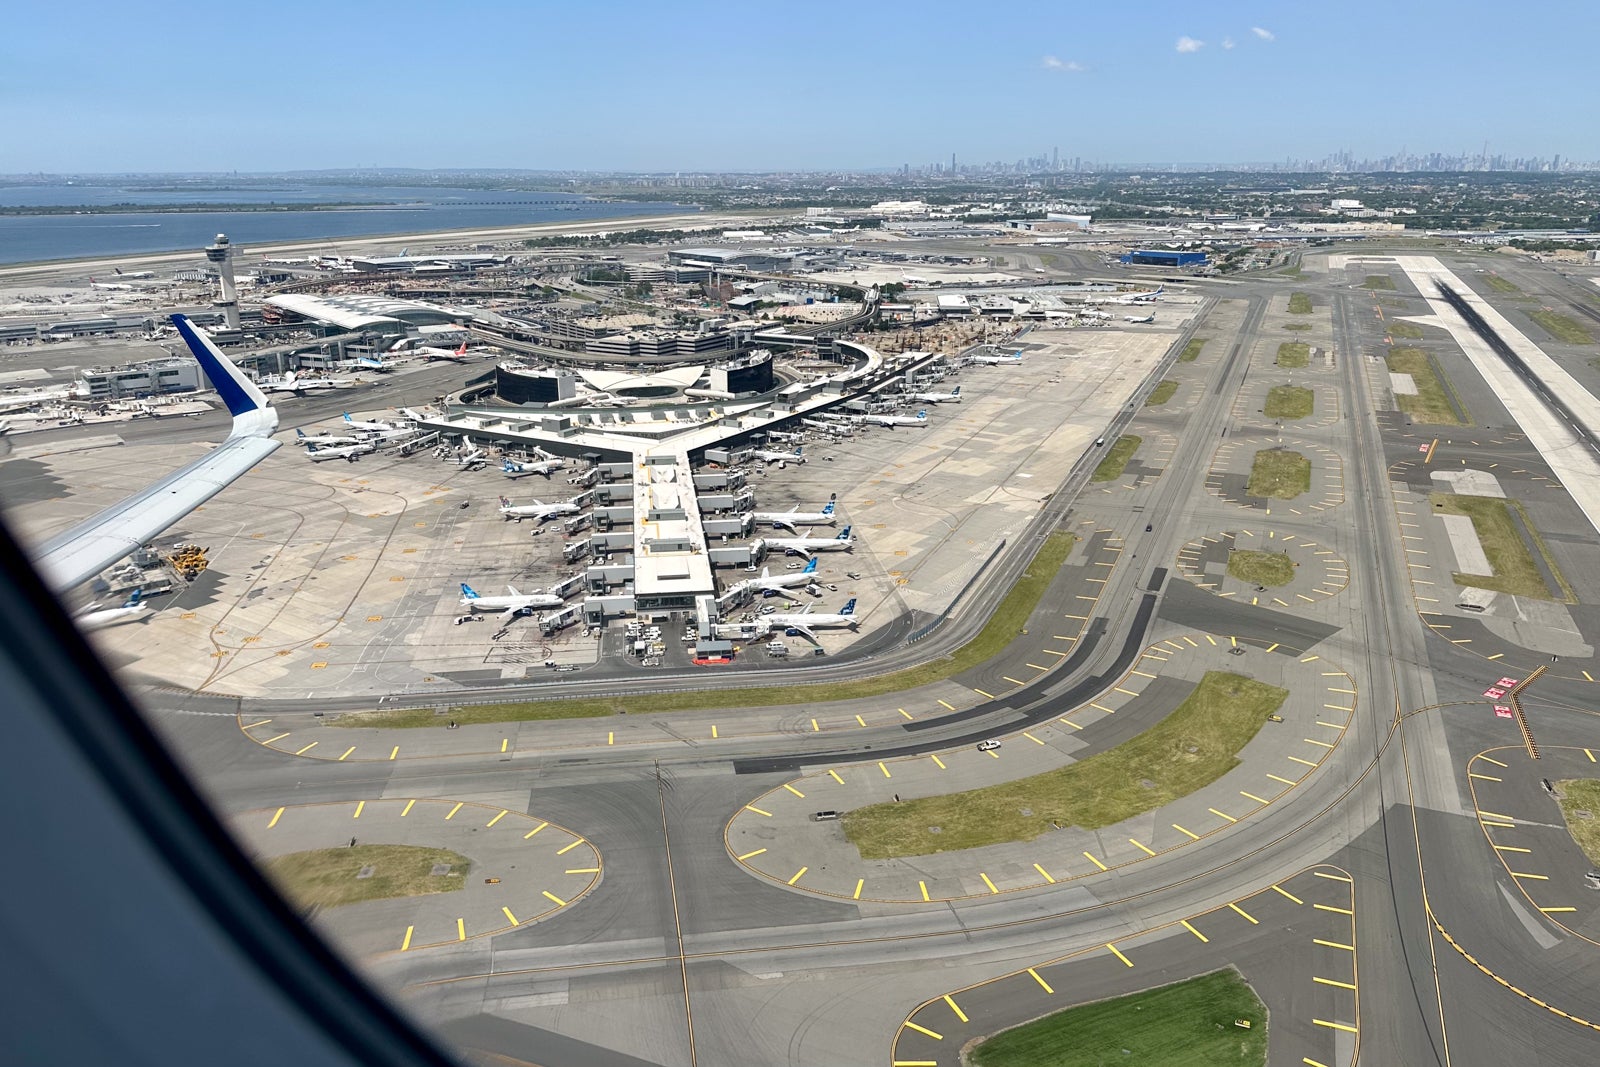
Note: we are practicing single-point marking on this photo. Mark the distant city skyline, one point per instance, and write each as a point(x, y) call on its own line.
point(101, 87)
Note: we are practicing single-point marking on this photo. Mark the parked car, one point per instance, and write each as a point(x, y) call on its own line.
point(988, 746)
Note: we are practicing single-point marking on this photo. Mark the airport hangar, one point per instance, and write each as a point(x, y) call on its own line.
point(646, 459)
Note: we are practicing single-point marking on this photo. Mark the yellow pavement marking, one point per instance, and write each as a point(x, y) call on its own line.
point(859, 883)
point(915, 1063)
point(1147, 850)
point(752, 855)
point(1196, 644)
point(458, 807)
point(1251, 796)
point(1190, 833)
point(1042, 983)
point(496, 819)
point(713, 731)
point(1332, 944)
point(360, 805)
point(1535, 877)
point(1586, 752)
point(815, 728)
point(530, 833)
point(924, 887)
point(583, 870)
point(1500, 825)
point(1222, 814)
point(1273, 647)
point(1551, 911)
point(1482, 777)
point(1119, 955)
point(1096, 862)
point(1125, 692)
point(1253, 920)
point(937, 761)
point(407, 809)
point(1284, 781)
point(1142, 674)
point(1332, 982)
point(279, 737)
point(347, 752)
point(1284, 892)
point(1307, 762)
point(406, 944)
point(461, 930)
point(258, 722)
point(1070, 723)
point(986, 693)
point(884, 769)
point(924, 1030)
point(393, 752)
point(1102, 707)
point(904, 712)
point(797, 875)
point(1336, 1026)
point(510, 916)
point(993, 753)
point(1490, 759)
point(953, 1007)
point(860, 720)
point(1036, 667)
point(988, 883)
point(1511, 848)
point(1330, 907)
point(275, 817)
point(1331, 689)
point(758, 811)
point(558, 901)
point(308, 748)
point(611, 737)
point(1496, 815)
point(1030, 737)
point(1322, 744)
point(836, 777)
point(948, 705)
point(1045, 873)
point(793, 790)
point(569, 848)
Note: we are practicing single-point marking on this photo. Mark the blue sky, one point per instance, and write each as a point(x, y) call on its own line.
point(98, 86)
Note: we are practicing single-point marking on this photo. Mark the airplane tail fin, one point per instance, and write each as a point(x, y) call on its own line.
point(922, 414)
point(301, 434)
point(133, 599)
point(827, 509)
point(844, 534)
point(504, 502)
point(956, 391)
point(468, 592)
point(849, 607)
point(811, 568)
point(462, 350)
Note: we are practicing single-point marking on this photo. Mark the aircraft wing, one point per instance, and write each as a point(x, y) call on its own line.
point(785, 524)
point(78, 554)
point(804, 631)
point(805, 552)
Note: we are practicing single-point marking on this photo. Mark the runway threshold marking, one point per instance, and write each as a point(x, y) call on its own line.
point(1042, 983)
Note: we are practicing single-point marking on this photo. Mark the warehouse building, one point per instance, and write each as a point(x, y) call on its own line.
point(1161, 257)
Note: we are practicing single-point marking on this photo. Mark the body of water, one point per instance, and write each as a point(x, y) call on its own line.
point(397, 209)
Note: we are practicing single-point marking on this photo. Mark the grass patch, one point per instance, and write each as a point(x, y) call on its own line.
point(1500, 285)
point(326, 877)
point(1261, 568)
point(1378, 281)
point(1191, 748)
point(1431, 404)
point(1299, 303)
point(1561, 327)
point(1187, 1024)
point(1279, 474)
point(1289, 402)
point(1514, 568)
point(1409, 331)
point(1163, 392)
point(1582, 794)
point(1007, 620)
point(1117, 456)
point(1191, 351)
point(1294, 354)
point(1297, 326)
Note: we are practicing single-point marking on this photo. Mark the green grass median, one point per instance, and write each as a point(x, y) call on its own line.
point(1378, 281)
point(1580, 806)
point(1500, 285)
point(1408, 331)
point(1289, 402)
point(1004, 625)
point(1500, 534)
point(1561, 327)
point(1191, 351)
point(1431, 404)
point(1116, 459)
point(1299, 303)
point(326, 877)
point(1279, 474)
point(1270, 569)
point(1297, 327)
point(1197, 743)
point(1162, 393)
point(1187, 1024)
point(1294, 354)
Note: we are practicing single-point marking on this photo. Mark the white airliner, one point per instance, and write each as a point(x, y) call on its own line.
point(508, 606)
point(780, 457)
point(537, 510)
point(134, 274)
point(78, 554)
point(109, 286)
point(293, 383)
point(472, 455)
point(1139, 318)
point(891, 421)
point(322, 440)
point(357, 424)
point(794, 517)
point(94, 617)
point(803, 622)
point(779, 585)
point(952, 397)
point(804, 546)
point(346, 452)
point(543, 465)
point(1140, 298)
point(997, 361)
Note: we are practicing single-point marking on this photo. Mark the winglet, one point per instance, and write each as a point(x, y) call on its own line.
point(238, 392)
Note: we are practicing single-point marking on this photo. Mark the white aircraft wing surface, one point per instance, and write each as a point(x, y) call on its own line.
point(75, 556)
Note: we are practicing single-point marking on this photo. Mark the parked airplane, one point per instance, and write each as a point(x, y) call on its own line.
point(1139, 318)
point(952, 397)
point(94, 617)
point(804, 546)
point(346, 452)
point(78, 554)
point(779, 585)
point(544, 465)
point(508, 606)
point(997, 361)
point(1140, 298)
point(891, 421)
point(357, 424)
point(794, 517)
point(322, 440)
point(780, 457)
point(293, 383)
point(537, 510)
point(803, 622)
point(134, 274)
point(472, 455)
point(109, 286)
point(445, 355)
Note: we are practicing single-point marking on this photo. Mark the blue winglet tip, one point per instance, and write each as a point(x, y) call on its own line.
point(222, 377)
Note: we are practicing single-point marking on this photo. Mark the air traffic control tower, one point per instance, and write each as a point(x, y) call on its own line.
point(220, 254)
